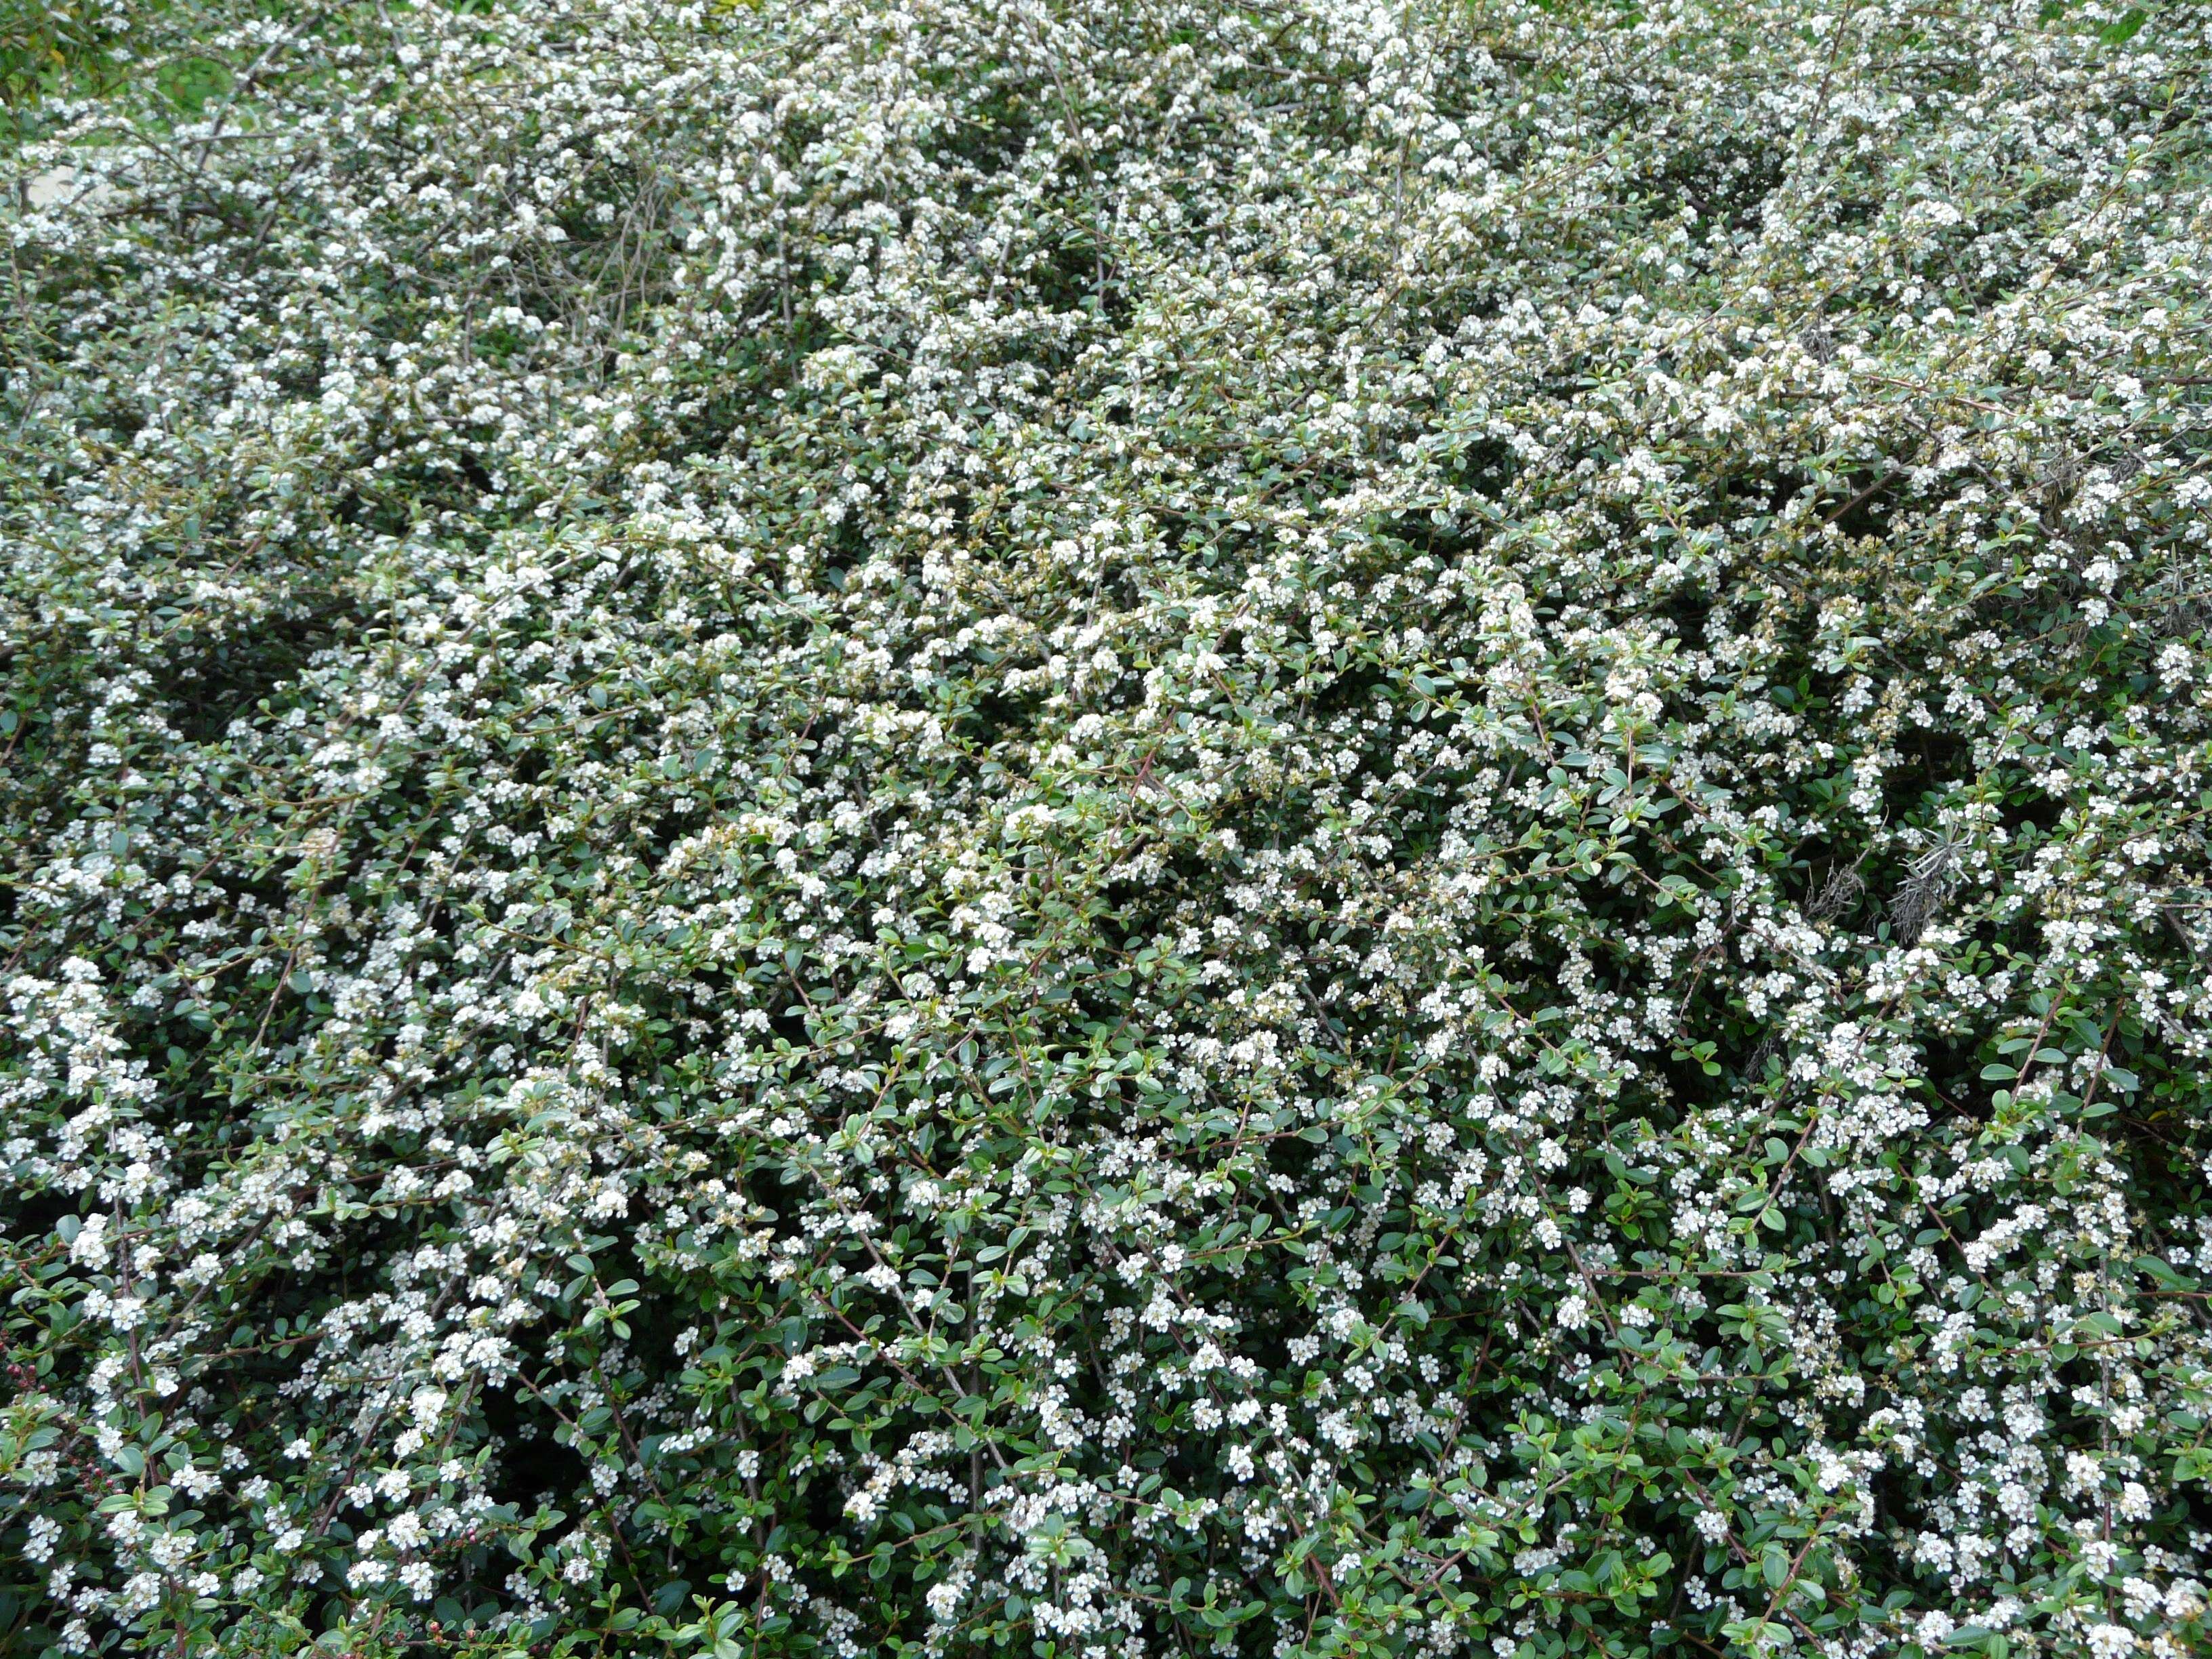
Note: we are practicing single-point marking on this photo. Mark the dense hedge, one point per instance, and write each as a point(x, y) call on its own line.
point(1113, 827)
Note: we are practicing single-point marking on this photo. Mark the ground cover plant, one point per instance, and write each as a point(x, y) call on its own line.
point(1109, 827)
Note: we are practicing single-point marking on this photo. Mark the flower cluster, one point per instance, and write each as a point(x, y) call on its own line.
point(1109, 828)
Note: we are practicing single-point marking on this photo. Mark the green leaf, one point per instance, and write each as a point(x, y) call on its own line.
point(1774, 1566)
point(2125, 28)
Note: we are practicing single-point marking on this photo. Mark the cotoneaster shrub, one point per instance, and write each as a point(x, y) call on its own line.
point(1123, 828)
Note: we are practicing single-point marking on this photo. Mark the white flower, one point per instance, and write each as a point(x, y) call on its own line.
point(943, 1599)
point(45, 1531)
point(90, 1248)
